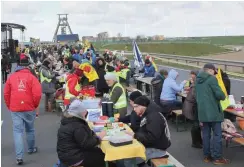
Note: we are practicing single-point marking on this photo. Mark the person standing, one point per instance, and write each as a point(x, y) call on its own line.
point(208, 96)
point(22, 95)
point(5, 68)
point(190, 112)
point(47, 78)
point(117, 95)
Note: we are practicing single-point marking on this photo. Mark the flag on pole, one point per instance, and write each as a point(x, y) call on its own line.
point(138, 60)
point(92, 48)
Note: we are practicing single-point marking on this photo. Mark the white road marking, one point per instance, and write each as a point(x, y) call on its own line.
point(2, 123)
point(174, 161)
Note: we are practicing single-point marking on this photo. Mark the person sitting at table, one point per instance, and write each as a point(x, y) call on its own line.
point(72, 87)
point(117, 94)
point(157, 84)
point(169, 91)
point(149, 70)
point(153, 133)
point(124, 74)
point(133, 118)
point(77, 144)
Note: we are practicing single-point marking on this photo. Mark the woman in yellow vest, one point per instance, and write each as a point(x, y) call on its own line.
point(48, 85)
point(124, 75)
point(73, 87)
point(117, 95)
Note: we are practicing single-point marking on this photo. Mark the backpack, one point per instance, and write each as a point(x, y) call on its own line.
point(228, 126)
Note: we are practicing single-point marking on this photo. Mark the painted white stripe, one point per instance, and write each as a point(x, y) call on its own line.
point(174, 161)
point(2, 123)
point(241, 80)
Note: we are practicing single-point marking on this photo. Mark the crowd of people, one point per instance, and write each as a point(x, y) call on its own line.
point(107, 76)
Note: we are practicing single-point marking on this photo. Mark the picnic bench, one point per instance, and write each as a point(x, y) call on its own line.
point(178, 114)
point(145, 80)
point(132, 89)
point(166, 162)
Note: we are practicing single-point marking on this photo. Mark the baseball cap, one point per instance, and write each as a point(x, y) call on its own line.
point(209, 66)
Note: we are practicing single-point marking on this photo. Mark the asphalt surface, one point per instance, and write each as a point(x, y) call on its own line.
point(48, 123)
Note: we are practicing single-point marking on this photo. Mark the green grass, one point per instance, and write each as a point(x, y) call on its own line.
point(221, 40)
point(186, 49)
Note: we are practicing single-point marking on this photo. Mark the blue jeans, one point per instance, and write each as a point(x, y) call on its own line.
point(23, 120)
point(217, 139)
point(170, 105)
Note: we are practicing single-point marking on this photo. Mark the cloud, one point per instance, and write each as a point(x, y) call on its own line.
point(129, 18)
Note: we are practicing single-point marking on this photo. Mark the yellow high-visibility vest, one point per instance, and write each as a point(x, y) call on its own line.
point(45, 78)
point(122, 101)
point(122, 73)
point(68, 95)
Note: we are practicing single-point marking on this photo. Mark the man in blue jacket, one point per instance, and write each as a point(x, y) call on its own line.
point(149, 70)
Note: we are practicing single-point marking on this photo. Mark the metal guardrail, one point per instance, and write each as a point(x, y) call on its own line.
point(197, 60)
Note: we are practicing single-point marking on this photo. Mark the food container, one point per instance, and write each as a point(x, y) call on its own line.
point(109, 126)
point(98, 128)
point(121, 125)
point(117, 141)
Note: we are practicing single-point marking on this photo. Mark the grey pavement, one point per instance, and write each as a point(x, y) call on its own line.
point(46, 131)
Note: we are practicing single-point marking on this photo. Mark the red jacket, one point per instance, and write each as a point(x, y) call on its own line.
point(22, 91)
point(72, 81)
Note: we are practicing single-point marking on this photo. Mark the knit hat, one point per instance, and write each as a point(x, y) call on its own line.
point(24, 60)
point(142, 101)
point(46, 62)
point(110, 76)
point(134, 95)
point(76, 108)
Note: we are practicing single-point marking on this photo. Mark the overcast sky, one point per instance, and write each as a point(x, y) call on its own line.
point(171, 19)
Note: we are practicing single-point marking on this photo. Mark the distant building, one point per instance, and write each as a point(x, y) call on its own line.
point(158, 37)
point(103, 36)
point(46, 43)
point(90, 38)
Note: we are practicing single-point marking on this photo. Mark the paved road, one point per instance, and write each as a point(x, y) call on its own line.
point(46, 131)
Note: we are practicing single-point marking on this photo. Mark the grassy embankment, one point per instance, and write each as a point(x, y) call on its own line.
point(186, 49)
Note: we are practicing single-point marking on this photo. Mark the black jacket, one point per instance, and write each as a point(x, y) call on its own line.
point(101, 83)
point(189, 108)
point(154, 131)
point(157, 83)
point(226, 81)
point(74, 138)
point(133, 118)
